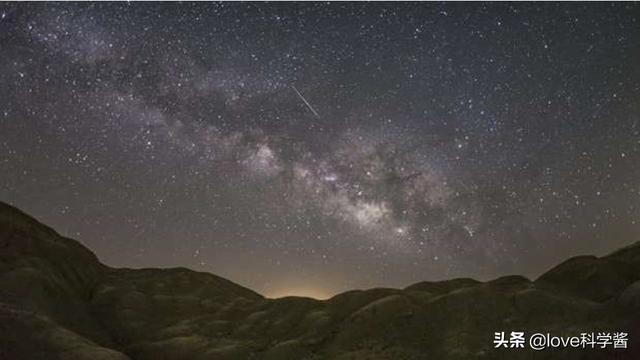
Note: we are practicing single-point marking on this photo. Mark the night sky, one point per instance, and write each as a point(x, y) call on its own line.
point(313, 148)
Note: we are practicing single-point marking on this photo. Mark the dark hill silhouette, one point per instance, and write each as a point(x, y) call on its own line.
point(57, 301)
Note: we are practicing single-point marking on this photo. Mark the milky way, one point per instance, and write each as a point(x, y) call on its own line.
point(313, 148)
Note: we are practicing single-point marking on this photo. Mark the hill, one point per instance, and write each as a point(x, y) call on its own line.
point(57, 301)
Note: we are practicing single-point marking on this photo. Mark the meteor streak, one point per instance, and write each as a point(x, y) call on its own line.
point(306, 102)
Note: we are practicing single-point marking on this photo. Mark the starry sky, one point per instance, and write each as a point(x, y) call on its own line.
point(311, 148)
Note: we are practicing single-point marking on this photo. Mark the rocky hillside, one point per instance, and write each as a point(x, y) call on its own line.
point(57, 301)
